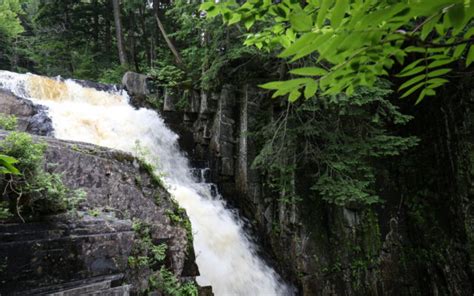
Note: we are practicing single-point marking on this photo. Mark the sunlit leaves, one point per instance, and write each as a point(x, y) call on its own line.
point(7, 165)
point(470, 56)
point(338, 13)
point(10, 25)
point(301, 22)
point(359, 41)
point(309, 71)
point(310, 89)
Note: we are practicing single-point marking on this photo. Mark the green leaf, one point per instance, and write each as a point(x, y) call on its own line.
point(206, 5)
point(470, 56)
point(415, 49)
point(301, 22)
point(6, 165)
point(440, 63)
point(412, 65)
point(456, 15)
point(458, 51)
point(322, 12)
point(469, 33)
point(288, 84)
point(412, 81)
point(310, 89)
point(439, 72)
point(436, 82)
point(298, 45)
point(271, 85)
point(309, 71)
point(429, 26)
point(235, 19)
point(294, 95)
point(412, 90)
point(281, 92)
point(213, 11)
point(8, 159)
point(423, 93)
point(248, 23)
point(412, 71)
point(338, 12)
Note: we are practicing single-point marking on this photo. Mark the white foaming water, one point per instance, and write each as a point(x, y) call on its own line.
point(226, 257)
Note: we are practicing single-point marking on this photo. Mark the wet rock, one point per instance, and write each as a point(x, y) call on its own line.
point(114, 182)
point(31, 118)
point(97, 85)
point(63, 251)
point(136, 84)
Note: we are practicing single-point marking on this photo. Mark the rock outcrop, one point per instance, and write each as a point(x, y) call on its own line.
point(66, 255)
point(31, 118)
point(330, 250)
point(78, 254)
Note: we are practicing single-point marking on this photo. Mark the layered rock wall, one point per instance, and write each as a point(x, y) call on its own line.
point(88, 251)
point(329, 250)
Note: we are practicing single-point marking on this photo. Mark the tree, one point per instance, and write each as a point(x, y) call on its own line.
point(10, 25)
point(177, 56)
point(10, 28)
point(119, 33)
point(348, 43)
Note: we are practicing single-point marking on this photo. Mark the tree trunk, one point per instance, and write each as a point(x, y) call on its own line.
point(170, 44)
point(119, 33)
point(132, 42)
point(108, 30)
point(95, 21)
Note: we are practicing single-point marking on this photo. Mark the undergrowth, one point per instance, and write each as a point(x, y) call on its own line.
point(148, 254)
point(33, 192)
point(8, 122)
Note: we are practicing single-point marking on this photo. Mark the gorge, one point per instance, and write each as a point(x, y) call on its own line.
point(226, 257)
point(184, 148)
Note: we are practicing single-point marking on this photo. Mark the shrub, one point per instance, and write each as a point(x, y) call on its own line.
point(8, 122)
point(34, 192)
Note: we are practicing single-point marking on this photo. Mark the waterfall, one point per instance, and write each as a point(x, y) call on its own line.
point(225, 255)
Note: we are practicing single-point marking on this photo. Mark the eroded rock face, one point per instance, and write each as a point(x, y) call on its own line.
point(63, 252)
point(318, 246)
point(115, 179)
point(115, 182)
point(31, 118)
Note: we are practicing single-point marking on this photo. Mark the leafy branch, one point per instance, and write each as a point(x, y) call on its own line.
point(359, 40)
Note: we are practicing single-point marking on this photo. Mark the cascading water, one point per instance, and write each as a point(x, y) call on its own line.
point(226, 257)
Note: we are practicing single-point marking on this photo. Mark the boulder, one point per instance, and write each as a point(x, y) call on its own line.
point(136, 84)
point(31, 118)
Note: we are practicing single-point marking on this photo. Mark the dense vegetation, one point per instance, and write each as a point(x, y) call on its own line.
point(179, 47)
point(28, 190)
point(363, 115)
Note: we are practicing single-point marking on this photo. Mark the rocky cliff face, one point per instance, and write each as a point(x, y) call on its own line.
point(66, 255)
point(418, 243)
point(89, 251)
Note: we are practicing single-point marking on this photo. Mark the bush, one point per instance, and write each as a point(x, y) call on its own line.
point(8, 122)
point(34, 192)
point(113, 74)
